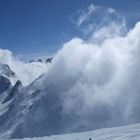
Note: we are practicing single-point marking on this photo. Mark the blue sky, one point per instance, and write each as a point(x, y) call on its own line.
point(42, 26)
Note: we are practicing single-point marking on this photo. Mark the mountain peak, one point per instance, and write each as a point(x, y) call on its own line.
point(13, 91)
point(5, 70)
point(4, 83)
point(46, 60)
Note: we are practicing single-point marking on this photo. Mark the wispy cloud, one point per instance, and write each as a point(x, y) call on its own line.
point(97, 19)
point(85, 15)
point(26, 72)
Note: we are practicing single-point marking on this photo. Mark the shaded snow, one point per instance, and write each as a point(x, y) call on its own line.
point(131, 132)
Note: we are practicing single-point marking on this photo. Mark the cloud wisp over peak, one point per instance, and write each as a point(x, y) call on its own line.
point(99, 23)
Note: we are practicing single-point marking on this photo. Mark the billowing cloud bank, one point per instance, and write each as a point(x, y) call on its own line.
point(99, 81)
point(26, 72)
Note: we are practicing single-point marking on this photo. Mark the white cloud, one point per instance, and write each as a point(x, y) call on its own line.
point(85, 15)
point(96, 19)
point(111, 10)
point(26, 72)
point(99, 80)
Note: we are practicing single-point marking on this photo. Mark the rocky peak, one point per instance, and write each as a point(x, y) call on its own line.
point(13, 91)
point(5, 70)
point(46, 60)
point(4, 83)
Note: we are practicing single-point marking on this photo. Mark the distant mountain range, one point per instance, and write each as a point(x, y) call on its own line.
point(47, 60)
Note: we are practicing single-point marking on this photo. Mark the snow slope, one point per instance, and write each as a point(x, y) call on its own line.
point(131, 132)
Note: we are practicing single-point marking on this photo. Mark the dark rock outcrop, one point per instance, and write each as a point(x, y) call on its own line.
point(13, 91)
point(4, 83)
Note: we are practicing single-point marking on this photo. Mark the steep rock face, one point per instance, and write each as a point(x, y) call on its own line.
point(13, 91)
point(5, 70)
point(4, 83)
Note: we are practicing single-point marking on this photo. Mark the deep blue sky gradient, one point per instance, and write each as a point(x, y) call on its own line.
point(42, 26)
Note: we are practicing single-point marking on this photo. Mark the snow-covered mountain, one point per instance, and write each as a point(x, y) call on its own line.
point(6, 72)
point(47, 60)
point(4, 83)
